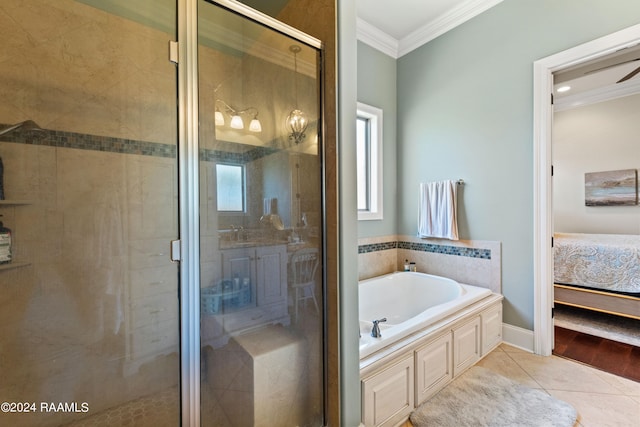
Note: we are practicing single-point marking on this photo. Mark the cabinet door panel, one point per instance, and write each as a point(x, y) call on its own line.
point(466, 345)
point(491, 328)
point(388, 395)
point(434, 367)
point(272, 274)
point(239, 263)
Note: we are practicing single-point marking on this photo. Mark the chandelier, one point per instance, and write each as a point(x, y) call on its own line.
point(296, 121)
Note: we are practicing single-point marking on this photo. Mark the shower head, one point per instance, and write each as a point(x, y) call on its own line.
point(26, 126)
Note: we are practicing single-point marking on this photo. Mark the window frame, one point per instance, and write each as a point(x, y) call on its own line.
point(373, 116)
point(244, 185)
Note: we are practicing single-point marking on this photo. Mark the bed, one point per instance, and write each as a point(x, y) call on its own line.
point(598, 271)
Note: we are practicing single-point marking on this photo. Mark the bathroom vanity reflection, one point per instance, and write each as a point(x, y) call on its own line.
point(261, 202)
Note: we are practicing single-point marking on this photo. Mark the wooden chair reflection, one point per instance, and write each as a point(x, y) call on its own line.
point(302, 274)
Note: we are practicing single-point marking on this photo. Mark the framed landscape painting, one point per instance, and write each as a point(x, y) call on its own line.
point(612, 188)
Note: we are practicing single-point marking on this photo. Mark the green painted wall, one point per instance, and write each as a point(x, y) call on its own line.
point(465, 110)
point(347, 216)
point(377, 87)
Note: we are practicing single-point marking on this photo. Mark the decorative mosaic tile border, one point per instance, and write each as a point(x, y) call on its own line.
point(81, 141)
point(62, 139)
point(375, 247)
point(427, 247)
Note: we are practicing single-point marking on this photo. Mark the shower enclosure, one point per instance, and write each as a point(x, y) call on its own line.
point(107, 314)
point(260, 208)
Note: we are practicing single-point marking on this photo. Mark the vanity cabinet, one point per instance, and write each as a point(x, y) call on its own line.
point(265, 270)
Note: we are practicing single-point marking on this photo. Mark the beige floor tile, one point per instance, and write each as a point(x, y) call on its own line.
point(555, 373)
point(602, 410)
point(502, 363)
point(624, 386)
point(511, 349)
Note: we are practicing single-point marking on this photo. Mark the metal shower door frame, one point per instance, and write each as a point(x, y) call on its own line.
point(189, 205)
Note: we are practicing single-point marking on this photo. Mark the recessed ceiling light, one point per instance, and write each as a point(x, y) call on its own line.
point(563, 89)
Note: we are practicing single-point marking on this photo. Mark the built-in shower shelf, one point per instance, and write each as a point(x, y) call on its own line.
point(15, 202)
point(14, 264)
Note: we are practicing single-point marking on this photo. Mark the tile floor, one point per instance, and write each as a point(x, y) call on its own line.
point(601, 399)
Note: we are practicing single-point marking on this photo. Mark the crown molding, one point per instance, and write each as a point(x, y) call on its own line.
point(376, 38)
point(448, 21)
point(385, 43)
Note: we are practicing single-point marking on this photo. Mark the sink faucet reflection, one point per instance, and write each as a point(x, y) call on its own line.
point(238, 233)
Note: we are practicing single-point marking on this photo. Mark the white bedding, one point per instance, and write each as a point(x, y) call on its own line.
point(603, 261)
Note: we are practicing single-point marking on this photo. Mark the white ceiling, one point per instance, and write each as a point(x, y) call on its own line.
point(398, 27)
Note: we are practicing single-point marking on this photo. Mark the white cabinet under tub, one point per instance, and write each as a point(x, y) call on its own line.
point(396, 380)
point(390, 394)
point(434, 366)
point(466, 345)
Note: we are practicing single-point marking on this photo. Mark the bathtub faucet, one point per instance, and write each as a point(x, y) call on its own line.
point(375, 332)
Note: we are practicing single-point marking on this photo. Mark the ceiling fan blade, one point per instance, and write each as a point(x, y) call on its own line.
point(628, 76)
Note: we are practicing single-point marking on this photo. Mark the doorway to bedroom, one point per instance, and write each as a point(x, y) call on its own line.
point(584, 148)
point(596, 231)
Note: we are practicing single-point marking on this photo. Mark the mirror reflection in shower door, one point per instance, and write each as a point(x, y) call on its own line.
point(261, 224)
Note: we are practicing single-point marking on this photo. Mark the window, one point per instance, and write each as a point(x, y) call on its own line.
point(369, 162)
point(231, 188)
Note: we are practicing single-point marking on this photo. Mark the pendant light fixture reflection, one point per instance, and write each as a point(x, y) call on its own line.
point(297, 121)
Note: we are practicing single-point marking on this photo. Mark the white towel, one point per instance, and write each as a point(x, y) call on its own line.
point(270, 206)
point(437, 213)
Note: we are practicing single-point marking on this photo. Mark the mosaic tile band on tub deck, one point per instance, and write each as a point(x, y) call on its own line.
point(427, 247)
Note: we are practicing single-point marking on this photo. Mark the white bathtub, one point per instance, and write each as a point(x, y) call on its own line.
point(410, 302)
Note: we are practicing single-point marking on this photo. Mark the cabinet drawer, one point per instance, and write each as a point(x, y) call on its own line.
point(154, 309)
point(153, 281)
point(155, 338)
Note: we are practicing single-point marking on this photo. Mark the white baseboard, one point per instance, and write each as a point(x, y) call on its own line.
point(518, 337)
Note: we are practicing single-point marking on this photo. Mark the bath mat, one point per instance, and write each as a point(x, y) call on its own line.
point(480, 397)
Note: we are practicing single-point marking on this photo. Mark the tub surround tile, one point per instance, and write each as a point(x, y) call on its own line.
point(376, 247)
point(472, 262)
point(378, 263)
point(446, 249)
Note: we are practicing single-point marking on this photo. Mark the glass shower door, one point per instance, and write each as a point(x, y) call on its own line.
point(89, 299)
point(260, 224)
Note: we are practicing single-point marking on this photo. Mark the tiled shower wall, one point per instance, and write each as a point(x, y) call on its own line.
point(104, 89)
point(474, 262)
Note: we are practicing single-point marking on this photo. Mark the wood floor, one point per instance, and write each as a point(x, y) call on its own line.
point(611, 356)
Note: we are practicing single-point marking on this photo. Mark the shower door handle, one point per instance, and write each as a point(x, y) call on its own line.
point(176, 253)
